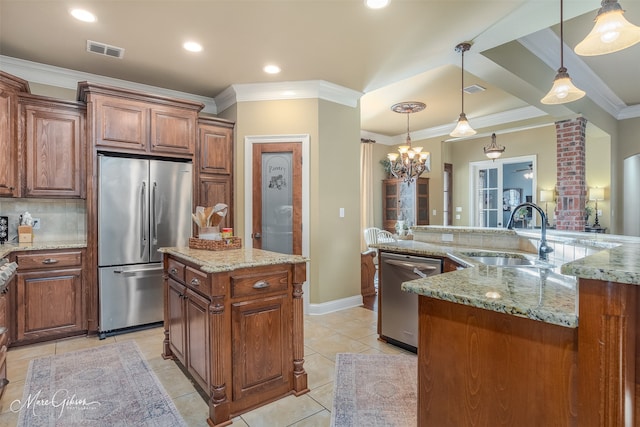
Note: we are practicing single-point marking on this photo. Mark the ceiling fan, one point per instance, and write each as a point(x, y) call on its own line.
point(528, 172)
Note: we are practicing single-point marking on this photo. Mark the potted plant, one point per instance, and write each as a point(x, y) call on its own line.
point(588, 211)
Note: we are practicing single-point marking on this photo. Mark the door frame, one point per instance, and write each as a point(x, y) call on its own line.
point(499, 163)
point(248, 190)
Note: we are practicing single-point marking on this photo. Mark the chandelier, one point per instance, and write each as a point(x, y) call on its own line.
point(493, 150)
point(409, 162)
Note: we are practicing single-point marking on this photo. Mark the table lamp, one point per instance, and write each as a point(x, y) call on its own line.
point(596, 194)
point(546, 196)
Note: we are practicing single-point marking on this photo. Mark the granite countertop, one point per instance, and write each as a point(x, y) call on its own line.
point(544, 294)
point(8, 248)
point(233, 259)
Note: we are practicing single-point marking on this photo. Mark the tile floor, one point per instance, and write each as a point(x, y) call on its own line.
point(348, 331)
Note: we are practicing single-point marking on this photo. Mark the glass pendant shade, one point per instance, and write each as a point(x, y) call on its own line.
point(563, 90)
point(463, 128)
point(611, 32)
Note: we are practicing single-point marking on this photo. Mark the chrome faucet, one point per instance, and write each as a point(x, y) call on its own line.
point(544, 250)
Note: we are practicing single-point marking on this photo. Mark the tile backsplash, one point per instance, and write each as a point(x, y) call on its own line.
point(60, 219)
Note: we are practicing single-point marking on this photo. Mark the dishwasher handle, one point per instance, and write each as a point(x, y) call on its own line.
point(410, 265)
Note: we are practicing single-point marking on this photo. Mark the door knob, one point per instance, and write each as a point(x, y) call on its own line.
point(257, 236)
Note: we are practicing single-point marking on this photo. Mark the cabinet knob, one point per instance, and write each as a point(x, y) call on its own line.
point(173, 270)
point(50, 261)
point(261, 284)
point(195, 282)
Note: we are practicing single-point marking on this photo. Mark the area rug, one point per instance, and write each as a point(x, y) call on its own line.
point(375, 390)
point(111, 385)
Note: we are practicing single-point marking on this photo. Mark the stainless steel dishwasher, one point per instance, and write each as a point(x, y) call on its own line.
point(399, 309)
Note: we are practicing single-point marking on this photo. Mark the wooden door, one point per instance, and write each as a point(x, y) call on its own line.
point(197, 319)
point(54, 140)
point(176, 321)
point(277, 197)
point(49, 303)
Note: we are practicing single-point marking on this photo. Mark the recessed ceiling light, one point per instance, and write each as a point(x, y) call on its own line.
point(192, 46)
point(271, 69)
point(376, 4)
point(83, 15)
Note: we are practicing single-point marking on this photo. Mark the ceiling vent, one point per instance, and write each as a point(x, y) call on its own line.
point(474, 89)
point(105, 49)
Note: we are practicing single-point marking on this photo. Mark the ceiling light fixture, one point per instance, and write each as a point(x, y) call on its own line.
point(463, 128)
point(192, 46)
point(83, 15)
point(563, 89)
point(493, 150)
point(611, 32)
point(409, 162)
point(376, 4)
point(271, 69)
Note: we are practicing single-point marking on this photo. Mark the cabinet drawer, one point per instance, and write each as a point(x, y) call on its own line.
point(49, 260)
point(176, 270)
point(258, 282)
point(197, 280)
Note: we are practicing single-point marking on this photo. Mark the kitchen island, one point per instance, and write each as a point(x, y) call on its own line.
point(234, 322)
point(538, 345)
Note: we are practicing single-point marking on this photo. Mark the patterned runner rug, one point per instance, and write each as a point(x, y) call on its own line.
point(105, 386)
point(375, 390)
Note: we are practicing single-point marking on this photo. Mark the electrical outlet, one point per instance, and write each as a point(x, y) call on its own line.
point(36, 223)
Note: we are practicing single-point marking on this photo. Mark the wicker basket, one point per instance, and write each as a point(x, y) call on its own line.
point(215, 245)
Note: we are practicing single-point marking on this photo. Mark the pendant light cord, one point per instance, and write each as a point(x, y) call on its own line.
point(462, 82)
point(561, 36)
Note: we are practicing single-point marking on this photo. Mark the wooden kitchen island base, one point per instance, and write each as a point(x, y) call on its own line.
point(483, 368)
point(237, 330)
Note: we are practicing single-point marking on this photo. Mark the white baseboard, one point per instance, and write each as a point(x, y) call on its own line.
point(335, 305)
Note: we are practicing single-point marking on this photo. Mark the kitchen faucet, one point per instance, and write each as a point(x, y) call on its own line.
point(544, 250)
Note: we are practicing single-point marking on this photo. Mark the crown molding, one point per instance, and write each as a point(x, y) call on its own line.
point(583, 77)
point(63, 77)
point(288, 90)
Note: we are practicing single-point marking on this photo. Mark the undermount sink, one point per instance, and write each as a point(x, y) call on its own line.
point(503, 261)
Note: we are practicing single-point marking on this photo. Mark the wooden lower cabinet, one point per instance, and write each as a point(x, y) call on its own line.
point(238, 334)
point(48, 295)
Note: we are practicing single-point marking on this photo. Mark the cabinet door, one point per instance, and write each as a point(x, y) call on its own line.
point(217, 189)
point(54, 148)
point(215, 149)
point(49, 304)
point(173, 130)
point(8, 159)
point(121, 123)
point(421, 203)
point(198, 361)
point(177, 322)
point(262, 347)
point(390, 201)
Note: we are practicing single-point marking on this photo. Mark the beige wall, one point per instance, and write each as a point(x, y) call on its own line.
point(334, 131)
point(629, 135)
point(540, 141)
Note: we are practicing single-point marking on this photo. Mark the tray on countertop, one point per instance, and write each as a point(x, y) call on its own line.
point(216, 245)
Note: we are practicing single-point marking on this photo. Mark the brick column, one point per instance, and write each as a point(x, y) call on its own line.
point(571, 179)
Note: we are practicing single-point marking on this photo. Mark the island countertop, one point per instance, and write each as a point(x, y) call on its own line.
point(232, 259)
point(544, 294)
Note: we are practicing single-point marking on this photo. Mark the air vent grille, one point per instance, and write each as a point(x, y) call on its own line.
point(474, 89)
point(105, 49)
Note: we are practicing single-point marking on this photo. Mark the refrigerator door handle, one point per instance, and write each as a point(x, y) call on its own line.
point(143, 215)
point(153, 214)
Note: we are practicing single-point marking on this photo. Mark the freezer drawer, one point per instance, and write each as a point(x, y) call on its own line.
point(130, 296)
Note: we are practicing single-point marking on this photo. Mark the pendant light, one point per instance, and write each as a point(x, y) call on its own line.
point(611, 32)
point(493, 150)
point(463, 128)
point(563, 89)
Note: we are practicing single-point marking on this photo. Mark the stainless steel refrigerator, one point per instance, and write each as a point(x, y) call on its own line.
point(142, 205)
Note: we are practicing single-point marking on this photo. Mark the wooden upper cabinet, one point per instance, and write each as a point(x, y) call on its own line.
point(215, 141)
point(122, 120)
point(52, 132)
point(120, 123)
point(10, 86)
point(173, 130)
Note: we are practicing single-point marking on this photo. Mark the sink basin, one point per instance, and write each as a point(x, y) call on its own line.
point(504, 261)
